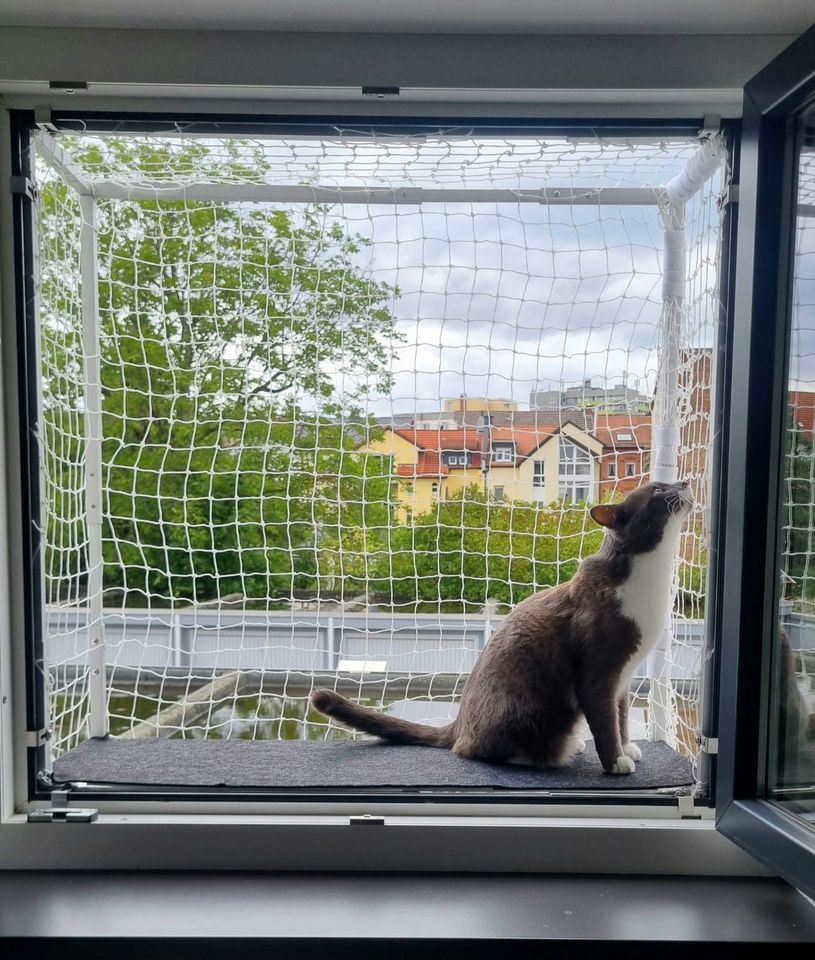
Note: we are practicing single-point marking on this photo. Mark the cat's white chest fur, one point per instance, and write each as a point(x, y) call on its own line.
point(645, 597)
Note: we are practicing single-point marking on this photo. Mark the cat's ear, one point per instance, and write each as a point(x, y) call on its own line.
point(608, 514)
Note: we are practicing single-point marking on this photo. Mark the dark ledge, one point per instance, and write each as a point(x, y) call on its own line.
point(307, 764)
point(153, 916)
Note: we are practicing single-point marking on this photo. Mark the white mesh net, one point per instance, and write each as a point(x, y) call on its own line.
point(358, 394)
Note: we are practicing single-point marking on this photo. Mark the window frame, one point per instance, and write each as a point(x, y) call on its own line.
point(147, 823)
point(750, 478)
point(506, 447)
point(570, 479)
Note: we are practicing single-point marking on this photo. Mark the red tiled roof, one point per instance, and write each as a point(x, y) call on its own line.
point(441, 439)
point(803, 404)
point(526, 441)
point(610, 426)
point(429, 465)
point(433, 444)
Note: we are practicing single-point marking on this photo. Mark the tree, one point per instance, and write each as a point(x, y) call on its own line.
point(227, 445)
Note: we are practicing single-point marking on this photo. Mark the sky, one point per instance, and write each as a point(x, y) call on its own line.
point(496, 299)
point(500, 300)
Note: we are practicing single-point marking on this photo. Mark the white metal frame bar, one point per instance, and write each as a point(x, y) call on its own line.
point(667, 435)
point(89, 272)
point(407, 195)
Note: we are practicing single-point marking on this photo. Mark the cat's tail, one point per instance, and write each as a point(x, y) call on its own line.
point(388, 728)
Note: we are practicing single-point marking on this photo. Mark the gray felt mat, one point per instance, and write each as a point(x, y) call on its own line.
point(289, 764)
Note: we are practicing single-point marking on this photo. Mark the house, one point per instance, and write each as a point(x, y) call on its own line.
point(625, 462)
point(534, 464)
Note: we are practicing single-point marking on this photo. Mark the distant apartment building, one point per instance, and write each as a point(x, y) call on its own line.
point(617, 399)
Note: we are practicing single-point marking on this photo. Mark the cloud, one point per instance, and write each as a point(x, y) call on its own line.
point(506, 299)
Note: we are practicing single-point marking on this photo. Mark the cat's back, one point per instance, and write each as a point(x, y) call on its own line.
point(539, 618)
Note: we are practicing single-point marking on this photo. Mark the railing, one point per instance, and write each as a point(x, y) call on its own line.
point(195, 641)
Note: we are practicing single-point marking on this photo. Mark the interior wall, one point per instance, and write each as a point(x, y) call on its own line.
point(528, 75)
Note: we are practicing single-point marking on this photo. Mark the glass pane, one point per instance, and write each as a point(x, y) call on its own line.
point(791, 768)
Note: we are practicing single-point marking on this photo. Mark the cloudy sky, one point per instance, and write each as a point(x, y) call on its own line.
point(496, 299)
point(502, 299)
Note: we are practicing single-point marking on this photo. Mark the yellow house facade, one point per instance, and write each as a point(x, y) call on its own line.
point(538, 466)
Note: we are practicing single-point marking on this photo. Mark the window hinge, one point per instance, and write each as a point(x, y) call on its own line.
point(688, 809)
point(708, 745)
point(367, 820)
point(23, 187)
point(37, 738)
point(60, 812)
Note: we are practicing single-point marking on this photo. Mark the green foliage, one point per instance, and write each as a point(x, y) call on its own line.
point(470, 549)
point(222, 327)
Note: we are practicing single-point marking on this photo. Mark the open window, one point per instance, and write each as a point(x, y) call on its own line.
point(274, 376)
point(766, 763)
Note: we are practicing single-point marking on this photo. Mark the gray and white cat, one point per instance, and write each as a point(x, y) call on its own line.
point(564, 653)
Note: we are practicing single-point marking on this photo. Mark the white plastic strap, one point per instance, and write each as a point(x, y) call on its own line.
point(673, 271)
point(700, 168)
point(667, 440)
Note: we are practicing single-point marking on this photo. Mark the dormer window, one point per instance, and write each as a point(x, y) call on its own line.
point(458, 458)
point(503, 452)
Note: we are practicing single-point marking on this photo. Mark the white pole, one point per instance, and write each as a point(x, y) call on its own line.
point(667, 433)
point(88, 268)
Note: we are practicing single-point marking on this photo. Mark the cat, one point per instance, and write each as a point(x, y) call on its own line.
point(567, 652)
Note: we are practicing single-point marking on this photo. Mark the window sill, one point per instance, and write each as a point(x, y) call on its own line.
point(363, 916)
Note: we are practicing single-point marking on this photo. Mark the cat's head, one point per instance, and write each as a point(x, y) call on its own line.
point(647, 516)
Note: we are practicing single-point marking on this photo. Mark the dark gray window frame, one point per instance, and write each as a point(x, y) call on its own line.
point(749, 480)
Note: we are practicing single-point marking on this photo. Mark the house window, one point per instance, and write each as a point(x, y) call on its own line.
point(503, 452)
point(575, 472)
point(458, 458)
point(629, 469)
point(434, 489)
point(538, 473)
point(612, 470)
point(499, 494)
point(624, 436)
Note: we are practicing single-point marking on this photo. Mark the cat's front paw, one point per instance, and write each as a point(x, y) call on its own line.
point(633, 751)
point(622, 765)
